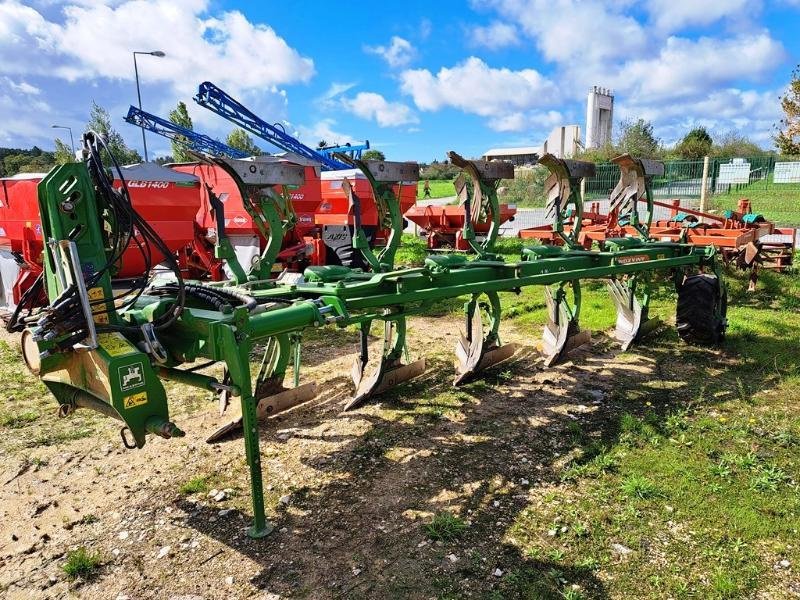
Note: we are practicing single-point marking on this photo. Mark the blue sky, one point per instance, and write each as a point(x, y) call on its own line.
point(415, 78)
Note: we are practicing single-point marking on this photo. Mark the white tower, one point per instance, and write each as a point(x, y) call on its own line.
point(599, 116)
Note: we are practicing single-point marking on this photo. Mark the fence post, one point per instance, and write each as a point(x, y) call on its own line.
point(704, 185)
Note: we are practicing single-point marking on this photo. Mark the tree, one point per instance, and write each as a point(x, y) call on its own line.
point(241, 140)
point(637, 139)
point(602, 154)
point(180, 116)
point(733, 144)
point(100, 122)
point(373, 155)
point(790, 103)
point(63, 153)
point(695, 144)
point(28, 161)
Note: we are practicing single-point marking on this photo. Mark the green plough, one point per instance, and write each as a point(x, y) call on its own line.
point(110, 353)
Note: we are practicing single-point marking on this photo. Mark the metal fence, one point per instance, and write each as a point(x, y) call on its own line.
point(684, 178)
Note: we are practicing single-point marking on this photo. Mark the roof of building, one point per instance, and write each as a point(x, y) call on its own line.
point(513, 151)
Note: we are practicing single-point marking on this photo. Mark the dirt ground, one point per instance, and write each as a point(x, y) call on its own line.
point(347, 493)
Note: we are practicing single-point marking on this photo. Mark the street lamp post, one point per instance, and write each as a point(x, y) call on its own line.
point(71, 140)
point(159, 54)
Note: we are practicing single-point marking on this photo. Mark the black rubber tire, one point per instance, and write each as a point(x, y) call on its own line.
point(700, 316)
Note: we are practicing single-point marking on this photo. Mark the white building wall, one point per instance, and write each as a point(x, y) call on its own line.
point(599, 116)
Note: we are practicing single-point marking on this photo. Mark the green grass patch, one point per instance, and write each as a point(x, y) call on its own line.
point(439, 189)
point(692, 469)
point(445, 526)
point(778, 203)
point(81, 564)
point(196, 485)
point(17, 420)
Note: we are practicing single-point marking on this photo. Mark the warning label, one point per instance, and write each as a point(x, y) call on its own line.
point(115, 344)
point(135, 400)
point(100, 316)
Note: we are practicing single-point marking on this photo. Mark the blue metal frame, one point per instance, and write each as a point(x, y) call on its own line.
point(216, 100)
point(191, 139)
point(353, 151)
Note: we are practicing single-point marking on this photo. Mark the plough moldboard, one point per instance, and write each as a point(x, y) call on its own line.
point(110, 352)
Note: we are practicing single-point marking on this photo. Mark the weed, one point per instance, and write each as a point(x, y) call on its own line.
point(81, 564)
point(742, 461)
point(677, 421)
point(722, 469)
point(89, 519)
point(197, 485)
point(445, 526)
point(580, 529)
point(768, 479)
point(556, 555)
point(640, 487)
point(741, 390)
point(725, 585)
point(785, 437)
point(575, 431)
point(590, 563)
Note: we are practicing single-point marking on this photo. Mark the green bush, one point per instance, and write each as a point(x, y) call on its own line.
point(526, 189)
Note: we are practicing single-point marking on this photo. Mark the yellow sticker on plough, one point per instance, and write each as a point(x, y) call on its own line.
point(115, 344)
point(134, 400)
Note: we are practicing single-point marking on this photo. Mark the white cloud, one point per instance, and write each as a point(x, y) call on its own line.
point(23, 114)
point(687, 68)
point(425, 28)
point(494, 36)
point(671, 80)
point(96, 41)
point(472, 86)
point(369, 105)
point(398, 53)
point(731, 108)
point(586, 31)
point(23, 87)
point(671, 15)
point(336, 89)
point(522, 121)
point(324, 129)
point(26, 39)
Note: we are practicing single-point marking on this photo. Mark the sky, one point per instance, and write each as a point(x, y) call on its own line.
point(415, 78)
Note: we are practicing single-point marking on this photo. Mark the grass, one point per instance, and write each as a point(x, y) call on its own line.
point(699, 476)
point(413, 250)
point(445, 527)
point(15, 421)
point(439, 189)
point(81, 564)
point(196, 485)
point(778, 203)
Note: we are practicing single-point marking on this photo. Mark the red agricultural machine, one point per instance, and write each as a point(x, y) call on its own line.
point(742, 237)
point(443, 225)
point(152, 189)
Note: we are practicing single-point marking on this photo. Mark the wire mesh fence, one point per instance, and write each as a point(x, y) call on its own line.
point(684, 178)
